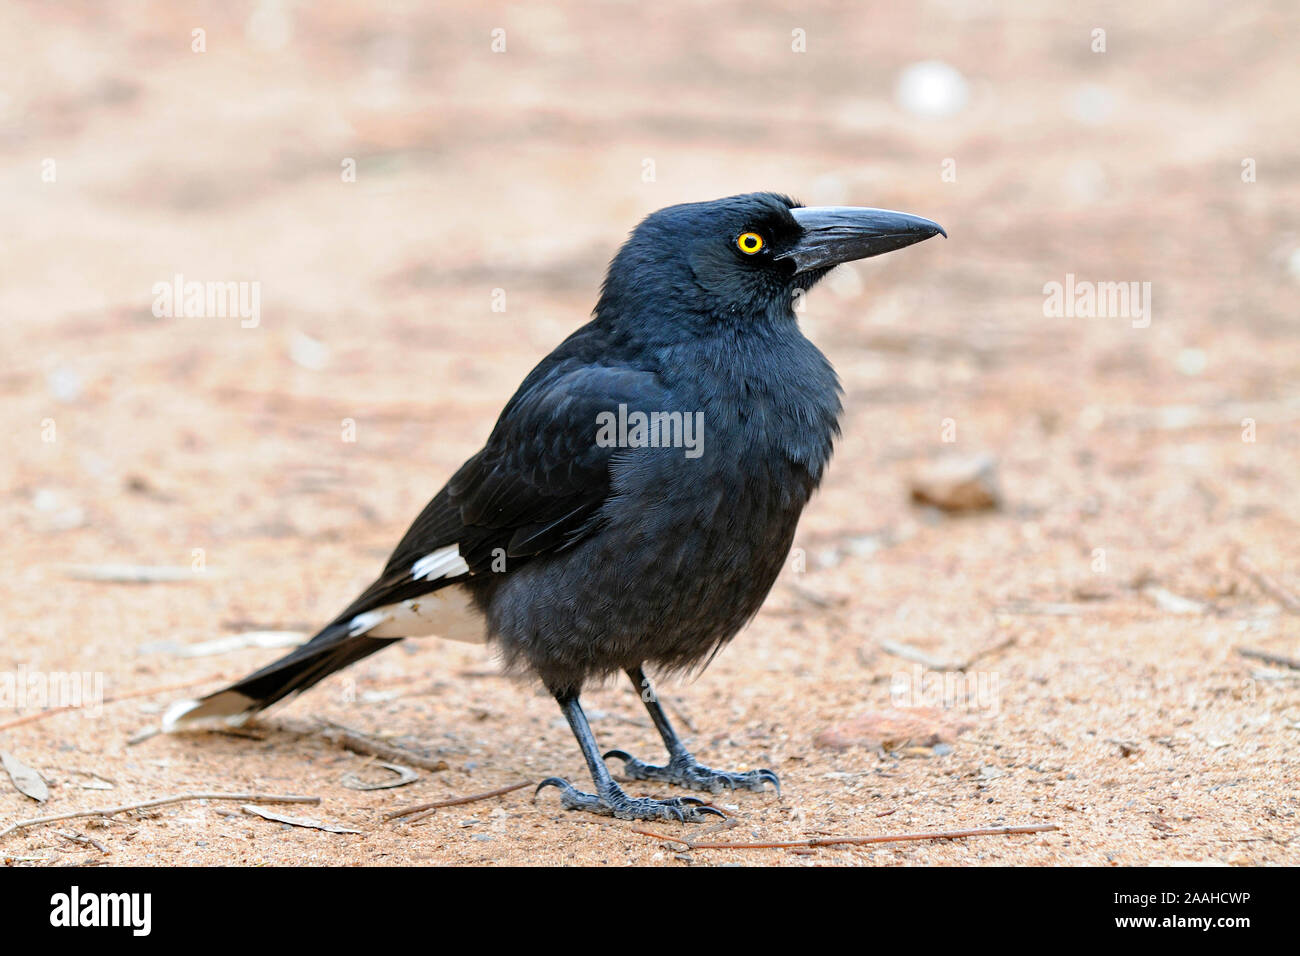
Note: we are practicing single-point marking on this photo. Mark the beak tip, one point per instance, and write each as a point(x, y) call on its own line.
point(932, 229)
point(834, 234)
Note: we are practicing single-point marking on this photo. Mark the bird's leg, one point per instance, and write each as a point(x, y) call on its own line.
point(609, 798)
point(682, 768)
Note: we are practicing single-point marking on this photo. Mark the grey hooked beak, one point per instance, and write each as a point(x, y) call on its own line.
point(835, 234)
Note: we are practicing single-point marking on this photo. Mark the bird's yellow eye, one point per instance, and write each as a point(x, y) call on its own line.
point(749, 242)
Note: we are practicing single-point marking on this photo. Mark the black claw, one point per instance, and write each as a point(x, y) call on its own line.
point(559, 782)
point(772, 778)
point(622, 755)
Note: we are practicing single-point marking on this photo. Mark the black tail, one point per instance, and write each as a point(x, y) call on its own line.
point(330, 650)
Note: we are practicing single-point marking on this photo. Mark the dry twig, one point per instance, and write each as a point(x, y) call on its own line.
point(424, 809)
point(917, 656)
point(1268, 657)
point(857, 840)
point(1270, 586)
point(987, 652)
point(159, 802)
point(85, 840)
point(355, 741)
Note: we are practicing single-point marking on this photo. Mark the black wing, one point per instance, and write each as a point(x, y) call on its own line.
point(536, 487)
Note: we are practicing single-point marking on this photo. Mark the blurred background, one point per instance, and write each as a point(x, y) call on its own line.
point(426, 198)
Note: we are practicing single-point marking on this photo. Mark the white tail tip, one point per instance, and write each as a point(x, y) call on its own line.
point(226, 709)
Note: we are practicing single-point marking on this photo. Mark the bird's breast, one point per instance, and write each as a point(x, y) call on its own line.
point(717, 519)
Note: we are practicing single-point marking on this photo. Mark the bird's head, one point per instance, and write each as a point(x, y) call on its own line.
point(743, 257)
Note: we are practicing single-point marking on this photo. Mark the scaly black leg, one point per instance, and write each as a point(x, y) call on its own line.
point(609, 799)
point(682, 768)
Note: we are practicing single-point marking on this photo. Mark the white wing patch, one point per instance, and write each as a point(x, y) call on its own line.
point(443, 563)
point(448, 613)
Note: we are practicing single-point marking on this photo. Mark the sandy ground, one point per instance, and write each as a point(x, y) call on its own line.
point(1098, 613)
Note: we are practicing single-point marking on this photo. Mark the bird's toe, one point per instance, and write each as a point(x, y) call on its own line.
point(685, 771)
point(614, 802)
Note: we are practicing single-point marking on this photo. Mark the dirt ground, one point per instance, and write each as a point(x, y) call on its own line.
point(1149, 519)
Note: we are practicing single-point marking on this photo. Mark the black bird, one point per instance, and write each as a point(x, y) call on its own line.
point(639, 493)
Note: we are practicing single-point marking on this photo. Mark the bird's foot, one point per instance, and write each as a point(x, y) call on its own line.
point(613, 802)
point(685, 771)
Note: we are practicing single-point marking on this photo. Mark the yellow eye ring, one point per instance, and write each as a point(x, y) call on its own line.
point(749, 243)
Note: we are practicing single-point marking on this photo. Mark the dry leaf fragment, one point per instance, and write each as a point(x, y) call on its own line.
point(295, 821)
point(28, 781)
point(1173, 603)
point(404, 776)
point(267, 640)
